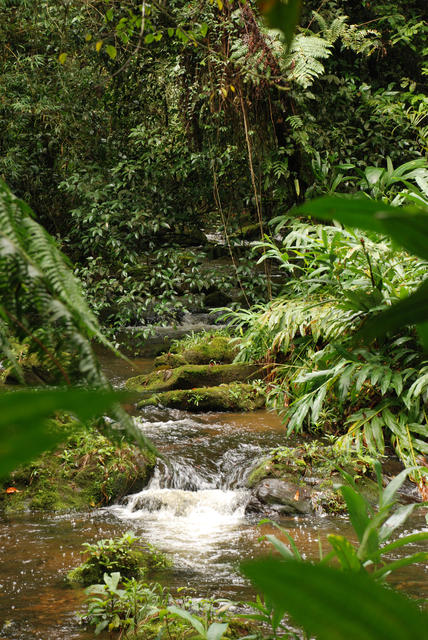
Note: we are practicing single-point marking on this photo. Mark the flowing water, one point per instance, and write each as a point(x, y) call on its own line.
point(193, 509)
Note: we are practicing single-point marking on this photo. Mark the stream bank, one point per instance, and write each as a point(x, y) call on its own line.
point(193, 510)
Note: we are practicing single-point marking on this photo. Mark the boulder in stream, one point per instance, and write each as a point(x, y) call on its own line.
point(274, 496)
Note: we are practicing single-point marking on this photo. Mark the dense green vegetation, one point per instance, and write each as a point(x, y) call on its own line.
point(164, 158)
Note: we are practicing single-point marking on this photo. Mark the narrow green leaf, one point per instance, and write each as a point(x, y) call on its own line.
point(345, 553)
point(392, 487)
point(280, 546)
point(421, 556)
point(357, 508)
point(194, 621)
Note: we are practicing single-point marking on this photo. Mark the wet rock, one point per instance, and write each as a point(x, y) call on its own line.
point(232, 397)
point(219, 349)
point(191, 377)
point(275, 496)
point(210, 349)
point(86, 471)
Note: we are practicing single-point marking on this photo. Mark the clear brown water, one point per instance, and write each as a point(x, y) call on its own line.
point(193, 510)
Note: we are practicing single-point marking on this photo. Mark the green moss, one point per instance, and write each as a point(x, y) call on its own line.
point(317, 464)
point(232, 397)
point(86, 471)
point(192, 376)
point(248, 232)
point(214, 349)
point(169, 361)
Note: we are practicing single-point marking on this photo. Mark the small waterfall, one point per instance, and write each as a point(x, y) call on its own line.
point(194, 505)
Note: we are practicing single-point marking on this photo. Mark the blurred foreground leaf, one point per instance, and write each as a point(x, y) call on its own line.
point(336, 605)
point(282, 15)
point(24, 420)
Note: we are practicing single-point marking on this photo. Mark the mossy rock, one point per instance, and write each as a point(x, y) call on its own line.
point(170, 361)
point(314, 465)
point(192, 376)
point(315, 462)
point(207, 349)
point(215, 349)
point(248, 232)
point(231, 397)
point(86, 471)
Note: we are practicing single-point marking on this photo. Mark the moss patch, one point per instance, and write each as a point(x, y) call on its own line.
point(231, 397)
point(316, 465)
point(192, 376)
point(201, 348)
point(86, 471)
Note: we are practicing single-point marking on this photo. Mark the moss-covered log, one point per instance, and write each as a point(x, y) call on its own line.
point(191, 377)
point(232, 397)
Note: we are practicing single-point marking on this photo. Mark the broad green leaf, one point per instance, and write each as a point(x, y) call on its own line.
point(336, 605)
point(194, 621)
point(98, 46)
point(216, 630)
point(283, 15)
point(204, 29)
point(111, 51)
point(353, 212)
point(101, 626)
point(149, 38)
point(24, 428)
point(409, 228)
point(411, 310)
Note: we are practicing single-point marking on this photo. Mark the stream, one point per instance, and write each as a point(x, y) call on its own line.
point(192, 509)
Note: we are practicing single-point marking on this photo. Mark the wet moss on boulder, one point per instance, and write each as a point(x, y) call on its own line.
point(203, 349)
point(227, 397)
point(192, 376)
point(311, 469)
point(87, 471)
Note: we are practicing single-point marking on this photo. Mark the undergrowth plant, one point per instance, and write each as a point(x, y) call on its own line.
point(320, 378)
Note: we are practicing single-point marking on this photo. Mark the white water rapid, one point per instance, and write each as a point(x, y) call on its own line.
point(194, 506)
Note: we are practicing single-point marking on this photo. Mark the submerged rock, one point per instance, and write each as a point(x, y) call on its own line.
point(232, 397)
point(191, 377)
